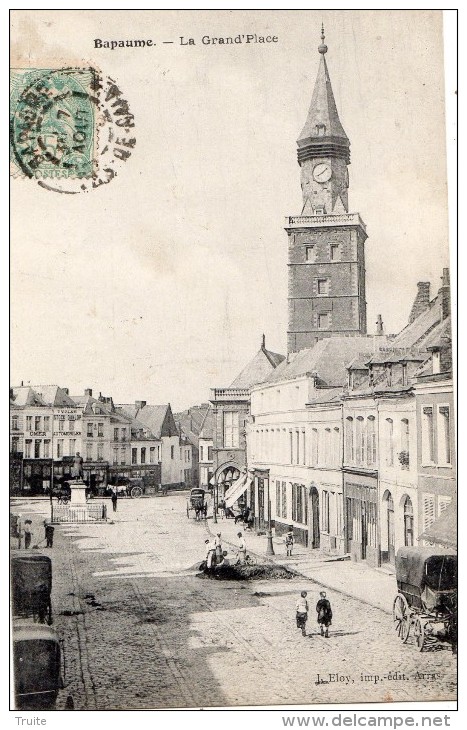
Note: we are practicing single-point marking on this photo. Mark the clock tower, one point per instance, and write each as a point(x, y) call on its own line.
point(326, 242)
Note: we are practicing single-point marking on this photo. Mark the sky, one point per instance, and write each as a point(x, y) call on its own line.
point(159, 285)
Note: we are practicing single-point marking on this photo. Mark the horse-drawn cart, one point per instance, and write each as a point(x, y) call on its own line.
point(196, 502)
point(31, 579)
point(426, 602)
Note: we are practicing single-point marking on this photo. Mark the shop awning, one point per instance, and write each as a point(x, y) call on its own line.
point(443, 531)
point(237, 489)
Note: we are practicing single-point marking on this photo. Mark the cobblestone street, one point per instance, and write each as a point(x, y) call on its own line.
point(142, 631)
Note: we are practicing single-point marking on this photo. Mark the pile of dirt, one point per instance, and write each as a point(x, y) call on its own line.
point(266, 571)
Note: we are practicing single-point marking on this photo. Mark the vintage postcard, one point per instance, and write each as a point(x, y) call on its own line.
point(232, 451)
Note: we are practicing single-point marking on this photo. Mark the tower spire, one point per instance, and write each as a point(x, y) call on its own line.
point(322, 48)
point(323, 131)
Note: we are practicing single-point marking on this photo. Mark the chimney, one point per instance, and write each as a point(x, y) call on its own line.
point(379, 325)
point(444, 295)
point(88, 391)
point(422, 301)
point(139, 404)
point(263, 342)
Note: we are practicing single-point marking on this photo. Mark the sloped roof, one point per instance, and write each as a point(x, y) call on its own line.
point(24, 395)
point(323, 109)
point(157, 418)
point(416, 333)
point(393, 355)
point(440, 336)
point(328, 359)
point(327, 395)
point(258, 369)
point(207, 427)
point(53, 395)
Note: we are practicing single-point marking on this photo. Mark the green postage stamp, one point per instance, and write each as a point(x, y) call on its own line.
point(69, 128)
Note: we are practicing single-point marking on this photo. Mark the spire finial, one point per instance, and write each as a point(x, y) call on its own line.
point(322, 48)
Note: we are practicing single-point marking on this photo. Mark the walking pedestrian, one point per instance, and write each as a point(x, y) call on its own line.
point(289, 542)
point(302, 612)
point(241, 548)
point(49, 534)
point(324, 611)
point(210, 555)
point(218, 546)
point(27, 533)
point(114, 499)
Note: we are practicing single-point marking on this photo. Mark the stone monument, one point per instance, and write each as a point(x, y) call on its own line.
point(78, 487)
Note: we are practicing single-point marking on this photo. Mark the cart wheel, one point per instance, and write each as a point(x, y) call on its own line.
point(400, 613)
point(136, 492)
point(419, 634)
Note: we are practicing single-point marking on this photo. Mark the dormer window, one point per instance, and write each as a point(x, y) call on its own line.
point(319, 210)
point(320, 130)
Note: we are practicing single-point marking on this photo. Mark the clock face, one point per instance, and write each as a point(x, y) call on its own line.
point(322, 172)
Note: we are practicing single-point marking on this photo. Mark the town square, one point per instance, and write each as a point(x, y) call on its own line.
point(233, 463)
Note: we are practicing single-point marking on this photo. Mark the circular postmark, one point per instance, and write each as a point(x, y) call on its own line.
point(71, 129)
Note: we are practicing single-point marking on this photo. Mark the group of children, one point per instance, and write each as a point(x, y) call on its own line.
point(323, 609)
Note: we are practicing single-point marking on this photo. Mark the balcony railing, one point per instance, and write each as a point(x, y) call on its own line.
point(230, 393)
point(341, 219)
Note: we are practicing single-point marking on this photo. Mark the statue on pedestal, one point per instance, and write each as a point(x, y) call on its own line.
point(77, 468)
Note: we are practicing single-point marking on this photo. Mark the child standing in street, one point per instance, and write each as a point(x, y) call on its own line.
point(302, 612)
point(324, 611)
point(27, 533)
point(289, 541)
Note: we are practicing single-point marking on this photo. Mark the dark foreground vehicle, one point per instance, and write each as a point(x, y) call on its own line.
point(31, 584)
point(37, 666)
point(426, 603)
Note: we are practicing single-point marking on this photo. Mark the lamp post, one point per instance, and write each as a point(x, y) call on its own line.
point(270, 546)
point(215, 496)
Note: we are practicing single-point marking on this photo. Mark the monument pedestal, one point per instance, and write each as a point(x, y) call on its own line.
point(78, 493)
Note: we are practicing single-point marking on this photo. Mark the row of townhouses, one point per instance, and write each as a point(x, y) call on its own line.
point(349, 439)
point(48, 427)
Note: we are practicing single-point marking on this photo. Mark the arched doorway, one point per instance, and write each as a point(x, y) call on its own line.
point(408, 522)
point(226, 477)
point(314, 540)
point(388, 549)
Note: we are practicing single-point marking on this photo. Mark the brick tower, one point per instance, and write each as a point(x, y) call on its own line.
point(326, 243)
